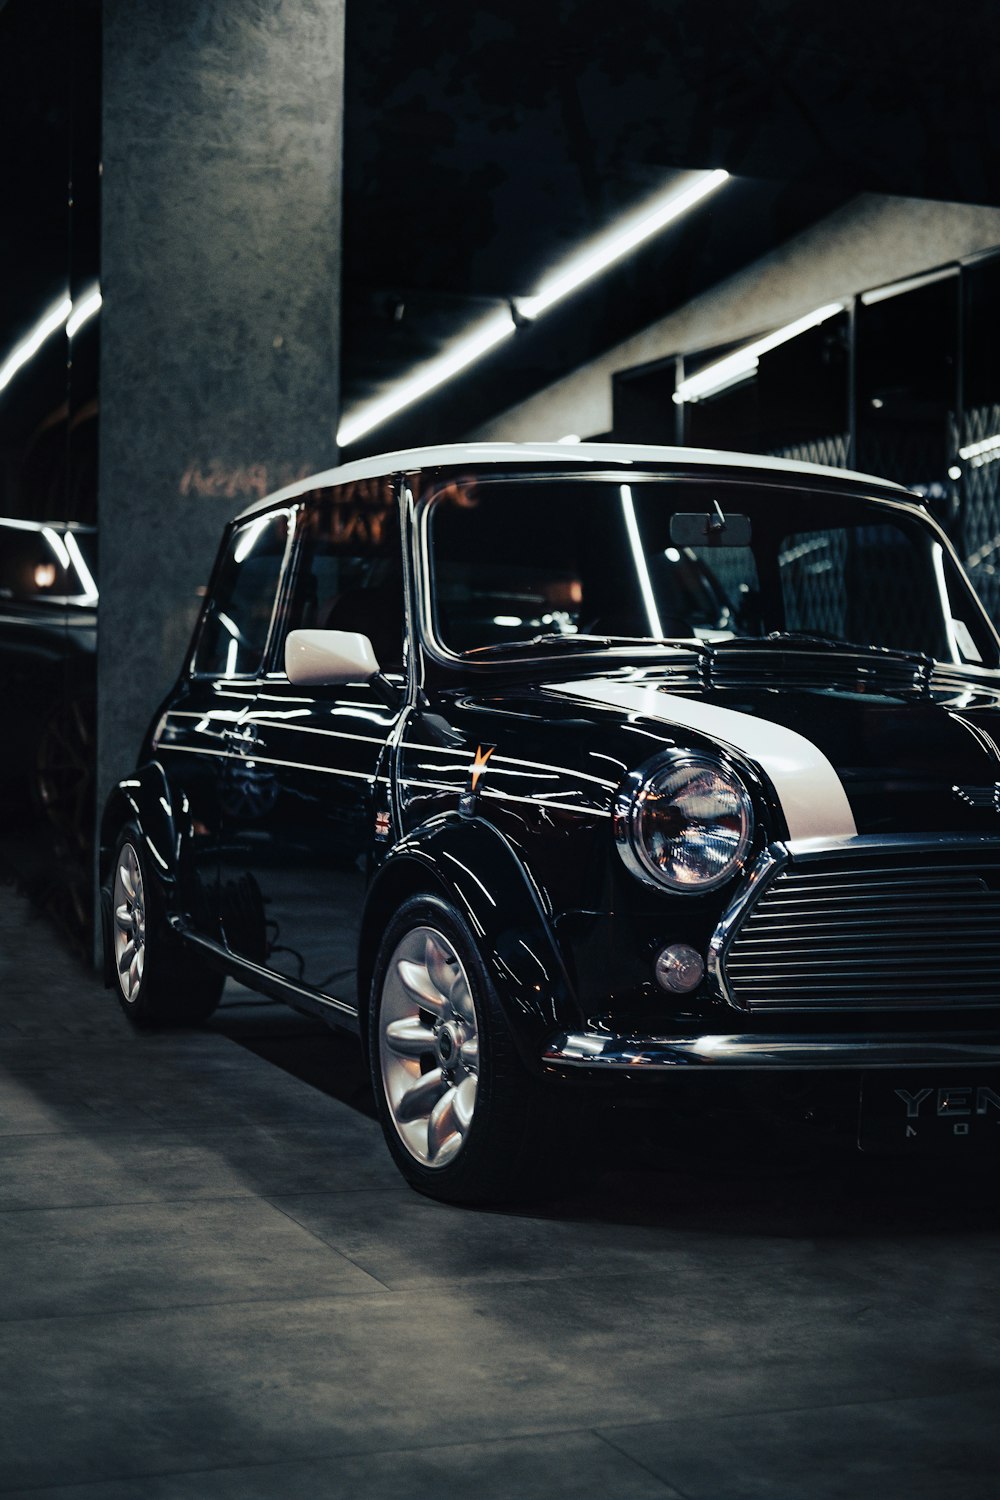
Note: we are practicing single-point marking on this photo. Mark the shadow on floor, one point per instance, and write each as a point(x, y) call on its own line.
point(327, 1060)
point(730, 1169)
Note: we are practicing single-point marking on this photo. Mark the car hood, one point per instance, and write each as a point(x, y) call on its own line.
point(890, 744)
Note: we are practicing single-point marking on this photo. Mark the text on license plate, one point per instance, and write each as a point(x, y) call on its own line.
point(912, 1111)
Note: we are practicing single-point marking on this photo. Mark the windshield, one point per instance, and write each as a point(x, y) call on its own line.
point(515, 559)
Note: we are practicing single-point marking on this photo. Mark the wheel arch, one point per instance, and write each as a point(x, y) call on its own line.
point(470, 864)
point(145, 800)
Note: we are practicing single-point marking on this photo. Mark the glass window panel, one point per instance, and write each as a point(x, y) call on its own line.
point(235, 629)
point(514, 560)
point(350, 571)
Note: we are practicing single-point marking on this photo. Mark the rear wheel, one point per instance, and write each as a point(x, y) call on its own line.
point(158, 982)
point(459, 1112)
point(63, 781)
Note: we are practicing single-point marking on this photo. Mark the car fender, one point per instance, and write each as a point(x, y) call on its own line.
point(474, 867)
point(145, 799)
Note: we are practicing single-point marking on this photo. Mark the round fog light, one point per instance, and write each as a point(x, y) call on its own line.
point(679, 968)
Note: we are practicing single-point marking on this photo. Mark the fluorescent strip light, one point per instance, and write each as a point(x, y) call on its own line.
point(742, 362)
point(29, 347)
point(83, 308)
point(617, 242)
point(464, 352)
point(602, 252)
point(641, 566)
point(911, 284)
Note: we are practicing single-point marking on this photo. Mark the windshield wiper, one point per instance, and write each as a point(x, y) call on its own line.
point(817, 638)
point(555, 639)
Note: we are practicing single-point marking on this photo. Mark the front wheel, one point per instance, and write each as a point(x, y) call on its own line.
point(159, 983)
point(459, 1112)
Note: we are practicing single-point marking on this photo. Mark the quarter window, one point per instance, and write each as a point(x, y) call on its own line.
point(236, 625)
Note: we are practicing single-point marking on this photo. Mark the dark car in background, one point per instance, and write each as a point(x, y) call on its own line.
point(48, 645)
point(549, 767)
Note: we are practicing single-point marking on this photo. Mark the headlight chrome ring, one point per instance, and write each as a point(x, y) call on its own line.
point(683, 823)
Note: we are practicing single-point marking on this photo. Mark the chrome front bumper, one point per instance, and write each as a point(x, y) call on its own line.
point(601, 1052)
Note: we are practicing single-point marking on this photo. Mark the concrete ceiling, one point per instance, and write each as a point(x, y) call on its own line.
point(481, 144)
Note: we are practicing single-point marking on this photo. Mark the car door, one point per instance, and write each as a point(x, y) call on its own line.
point(315, 761)
point(198, 740)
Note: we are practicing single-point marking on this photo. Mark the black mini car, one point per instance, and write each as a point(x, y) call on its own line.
point(534, 764)
point(48, 645)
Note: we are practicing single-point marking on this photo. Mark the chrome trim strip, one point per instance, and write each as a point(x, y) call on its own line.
point(252, 759)
point(603, 1053)
point(498, 760)
point(584, 809)
point(804, 852)
point(268, 980)
point(766, 868)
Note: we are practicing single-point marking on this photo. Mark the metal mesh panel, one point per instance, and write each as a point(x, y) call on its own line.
point(733, 569)
point(813, 582)
point(831, 451)
point(813, 570)
point(979, 520)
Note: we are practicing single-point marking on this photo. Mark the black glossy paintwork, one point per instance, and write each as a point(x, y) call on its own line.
point(457, 853)
point(309, 815)
point(298, 825)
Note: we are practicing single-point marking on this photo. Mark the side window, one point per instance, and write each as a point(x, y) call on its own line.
point(234, 632)
point(350, 569)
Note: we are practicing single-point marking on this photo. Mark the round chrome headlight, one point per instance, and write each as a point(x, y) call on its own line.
point(684, 822)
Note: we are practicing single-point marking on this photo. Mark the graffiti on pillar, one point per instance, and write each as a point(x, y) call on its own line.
point(215, 479)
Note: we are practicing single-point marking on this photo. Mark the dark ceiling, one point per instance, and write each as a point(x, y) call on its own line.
point(484, 143)
point(481, 144)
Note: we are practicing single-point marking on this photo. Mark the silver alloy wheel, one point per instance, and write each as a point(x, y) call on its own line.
point(428, 1046)
point(129, 923)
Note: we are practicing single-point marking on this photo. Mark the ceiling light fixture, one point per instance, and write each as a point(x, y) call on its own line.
point(602, 252)
point(736, 366)
point(84, 308)
point(72, 314)
point(464, 352)
point(618, 241)
point(29, 346)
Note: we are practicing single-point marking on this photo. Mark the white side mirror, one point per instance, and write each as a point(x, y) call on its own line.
point(324, 658)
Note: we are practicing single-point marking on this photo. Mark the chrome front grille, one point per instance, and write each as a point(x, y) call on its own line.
point(874, 935)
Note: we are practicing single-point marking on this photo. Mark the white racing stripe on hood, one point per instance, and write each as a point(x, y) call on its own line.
point(811, 793)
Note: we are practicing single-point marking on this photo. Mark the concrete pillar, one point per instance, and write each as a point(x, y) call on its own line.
point(220, 272)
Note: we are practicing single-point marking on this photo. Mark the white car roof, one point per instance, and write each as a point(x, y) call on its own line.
point(565, 455)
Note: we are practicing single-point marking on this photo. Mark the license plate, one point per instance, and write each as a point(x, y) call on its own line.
point(910, 1113)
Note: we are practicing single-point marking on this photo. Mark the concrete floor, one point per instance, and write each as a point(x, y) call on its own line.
point(213, 1284)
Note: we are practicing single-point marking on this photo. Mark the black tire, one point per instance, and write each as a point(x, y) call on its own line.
point(157, 980)
point(499, 1147)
